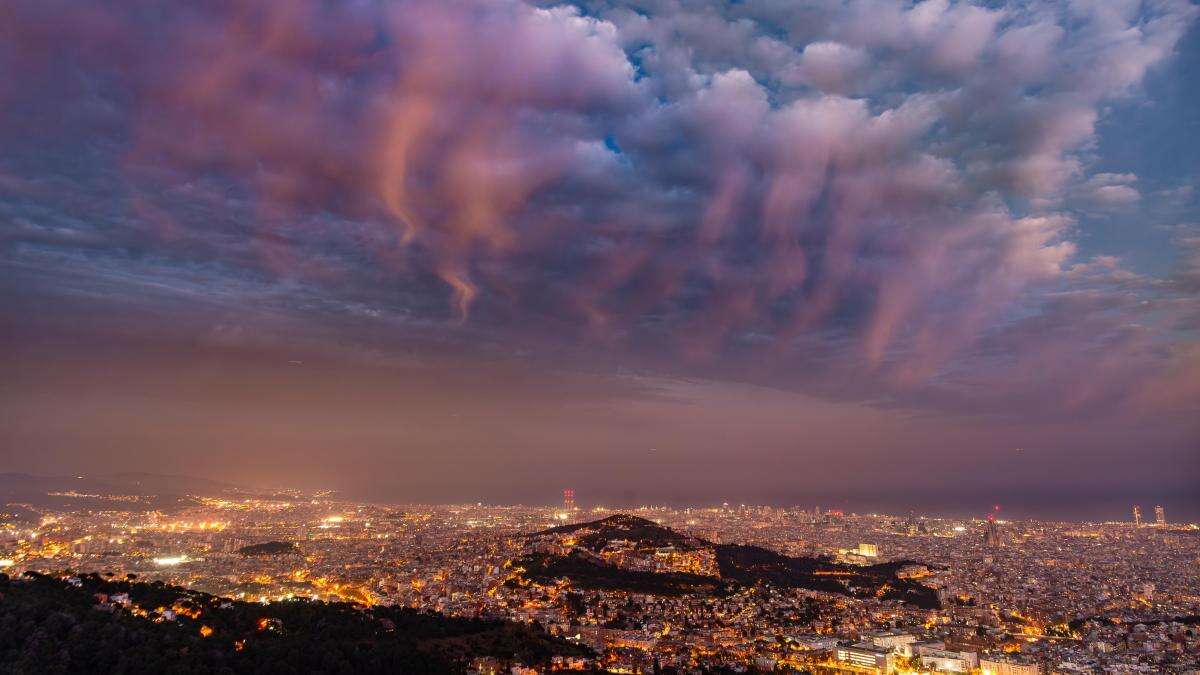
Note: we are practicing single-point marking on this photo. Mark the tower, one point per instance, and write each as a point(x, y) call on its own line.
point(569, 499)
point(991, 536)
point(1160, 518)
point(1137, 516)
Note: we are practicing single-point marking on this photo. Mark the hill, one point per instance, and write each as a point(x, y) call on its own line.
point(52, 625)
point(586, 572)
point(643, 533)
point(69, 493)
point(270, 548)
point(154, 483)
point(735, 565)
point(755, 565)
point(133, 483)
point(113, 492)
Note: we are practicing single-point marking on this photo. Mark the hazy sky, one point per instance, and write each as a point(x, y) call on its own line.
point(864, 254)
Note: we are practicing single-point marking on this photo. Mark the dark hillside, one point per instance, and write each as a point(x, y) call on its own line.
point(49, 625)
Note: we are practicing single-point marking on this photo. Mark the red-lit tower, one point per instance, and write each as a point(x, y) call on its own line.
point(991, 536)
point(569, 499)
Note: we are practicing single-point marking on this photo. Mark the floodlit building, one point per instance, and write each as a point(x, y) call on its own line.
point(867, 655)
point(897, 641)
point(946, 660)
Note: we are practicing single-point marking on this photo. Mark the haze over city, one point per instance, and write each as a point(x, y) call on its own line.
point(877, 256)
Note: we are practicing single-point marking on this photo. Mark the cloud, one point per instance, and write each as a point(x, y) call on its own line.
point(832, 66)
point(848, 197)
point(1109, 190)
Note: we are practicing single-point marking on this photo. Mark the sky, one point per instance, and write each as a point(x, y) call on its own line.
point(863, 254)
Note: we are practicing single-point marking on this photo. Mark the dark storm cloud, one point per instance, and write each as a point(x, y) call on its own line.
point(871, 200)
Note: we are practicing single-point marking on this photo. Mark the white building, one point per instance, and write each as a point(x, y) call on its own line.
point(947, 661)
point(897, 641)
point(867, 655)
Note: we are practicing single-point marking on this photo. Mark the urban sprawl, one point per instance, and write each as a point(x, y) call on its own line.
point(1008, 597)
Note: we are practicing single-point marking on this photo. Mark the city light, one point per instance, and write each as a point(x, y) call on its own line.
point(496, 561)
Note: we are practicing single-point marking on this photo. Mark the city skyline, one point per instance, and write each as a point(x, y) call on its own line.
point(37, 488)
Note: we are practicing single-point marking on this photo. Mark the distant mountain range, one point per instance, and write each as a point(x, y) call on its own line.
point(737, 565)
point(130, 482)
point(157, 483)
point(157, 491)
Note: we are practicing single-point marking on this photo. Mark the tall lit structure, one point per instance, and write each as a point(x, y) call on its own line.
point(1160, 517)
point(991, 532)
point(991, 536)
point(569, 499)
point(1137, 516)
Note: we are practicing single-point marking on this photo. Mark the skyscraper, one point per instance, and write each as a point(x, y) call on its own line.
point(569, 499)
point(1160, 518)
point(1137, 516)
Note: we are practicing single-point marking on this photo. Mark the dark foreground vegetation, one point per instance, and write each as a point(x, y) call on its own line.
point(89, 624)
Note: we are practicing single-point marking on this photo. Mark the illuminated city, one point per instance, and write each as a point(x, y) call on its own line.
point(659, 585)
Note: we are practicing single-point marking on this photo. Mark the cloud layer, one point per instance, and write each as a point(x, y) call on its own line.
point(874, 200)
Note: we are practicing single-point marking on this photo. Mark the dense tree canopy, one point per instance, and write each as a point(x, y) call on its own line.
point(51, 625)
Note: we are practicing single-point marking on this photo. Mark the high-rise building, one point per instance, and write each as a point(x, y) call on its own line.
point(1160, 517)
point(569, 499)
point(1137, 516)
